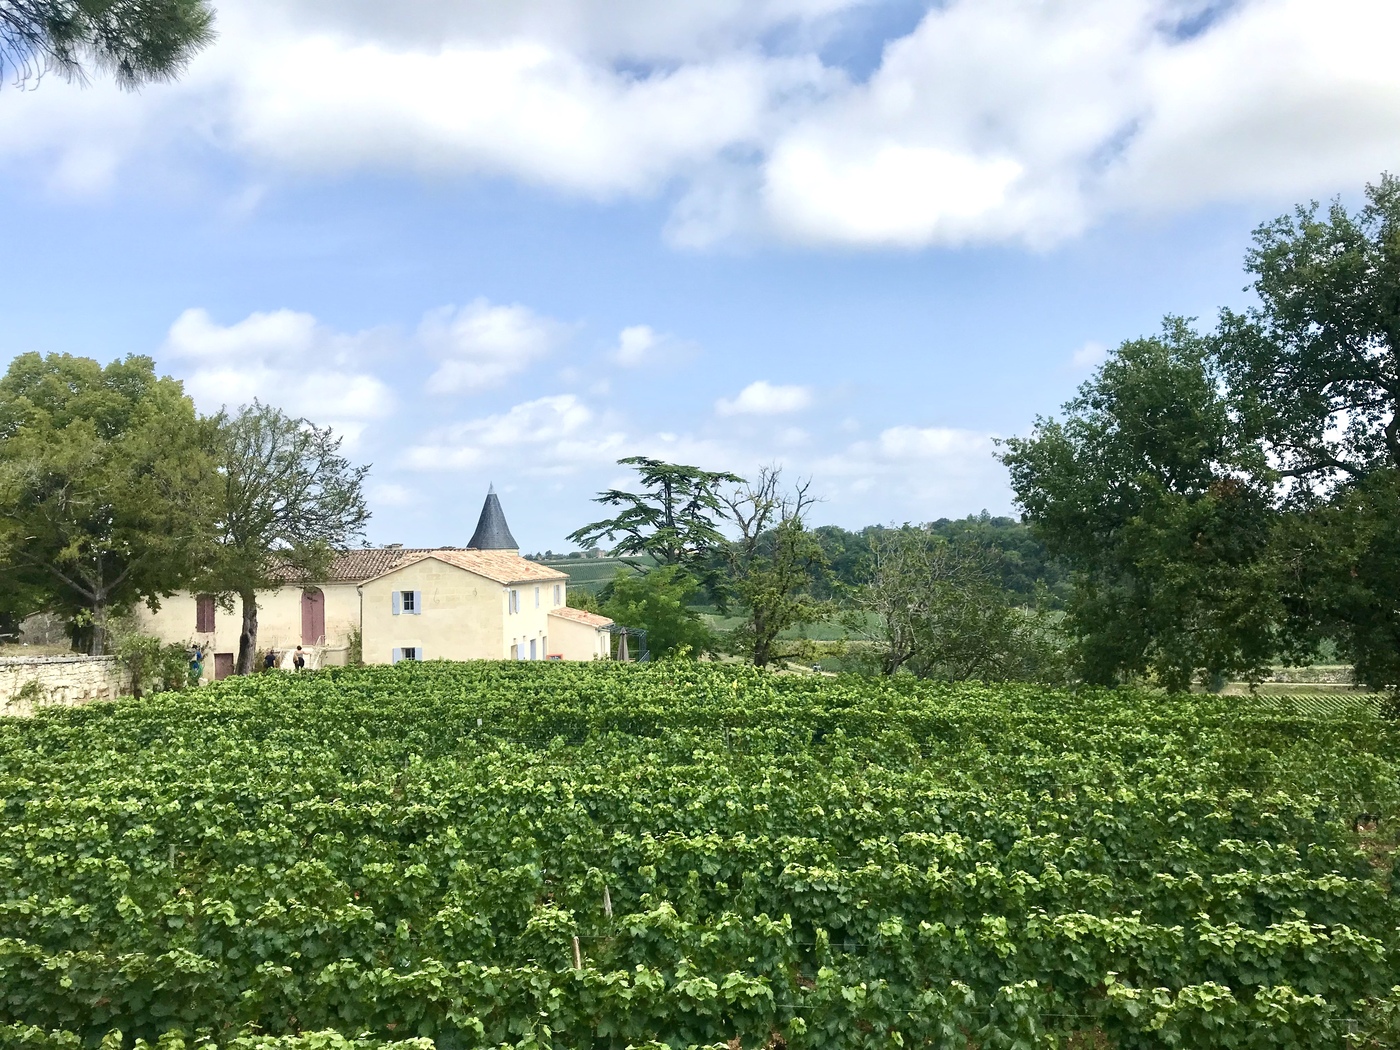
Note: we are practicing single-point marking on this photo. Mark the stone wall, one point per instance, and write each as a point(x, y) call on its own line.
point(31, 682)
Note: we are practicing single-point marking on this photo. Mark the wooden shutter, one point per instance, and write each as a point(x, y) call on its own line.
point(417, 603)
point(396, 656)
point(204, 613)
point(396, 601)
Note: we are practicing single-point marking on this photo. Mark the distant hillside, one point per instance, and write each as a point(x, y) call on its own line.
point(588, 574)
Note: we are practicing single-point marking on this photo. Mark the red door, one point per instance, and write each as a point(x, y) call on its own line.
point(313, 617)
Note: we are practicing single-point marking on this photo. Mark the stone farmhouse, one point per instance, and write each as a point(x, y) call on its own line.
point(479, 602)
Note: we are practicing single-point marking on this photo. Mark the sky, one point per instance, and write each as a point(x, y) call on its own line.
point(513, 243)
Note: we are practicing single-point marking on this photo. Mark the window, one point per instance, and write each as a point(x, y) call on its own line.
point(557, 589)
point(533, 656)
point(410, 653)
point(537, 597)
point(515, 652)
point(514, 605)
point(204, 613)
point(410, 604)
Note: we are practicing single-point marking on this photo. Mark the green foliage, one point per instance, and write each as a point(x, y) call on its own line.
point(286, 499)
point(938, 609)
point(1342, 576)
point(372, 854)
point(154, 665)
point(659, 603)
point(105, 496)
point(775, 566)
point(1312, 371)
point(1011, 548)
point(1150, 490)
point(672, 520)
point(579, 598)
point(137, 41)
point(1230, 499)
point(356, 643)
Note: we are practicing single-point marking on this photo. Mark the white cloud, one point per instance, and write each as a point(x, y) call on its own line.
point(1090, 355)
point(935, 470)
point(481, 345)
point(543, 436)
point(635, 345)
point(886, 193)
point(763, 398)
point(641, 345)
point(991, 120)
point(283, 358)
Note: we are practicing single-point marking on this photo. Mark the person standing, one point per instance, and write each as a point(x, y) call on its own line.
point(299, 659)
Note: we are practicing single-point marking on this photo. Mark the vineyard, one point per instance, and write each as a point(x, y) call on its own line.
point(570, 856)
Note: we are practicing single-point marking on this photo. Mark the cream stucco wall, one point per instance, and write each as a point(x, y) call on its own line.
point(463, 616)
point(279, 620)
point(577, 641)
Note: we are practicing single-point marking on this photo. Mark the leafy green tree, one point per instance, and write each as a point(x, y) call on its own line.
point(136, 41)
point(775, 564)
point(287, 498)
point(659, 602)
point(1314, 372)
point(1156, 495)
point(1019, 558)
point(579, 598)
point(938, 608)
point(105, 486)
point(673, 519)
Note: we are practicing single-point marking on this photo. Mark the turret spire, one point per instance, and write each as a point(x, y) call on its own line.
point(492, 533)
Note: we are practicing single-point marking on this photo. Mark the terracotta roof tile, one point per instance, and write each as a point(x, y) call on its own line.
point(580, 616)
point(501, 566)
point(357, 566)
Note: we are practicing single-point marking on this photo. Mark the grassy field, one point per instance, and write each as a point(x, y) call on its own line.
point(587, 574)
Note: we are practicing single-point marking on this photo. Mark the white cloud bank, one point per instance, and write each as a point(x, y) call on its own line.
point(284, 358)
point(991, 120)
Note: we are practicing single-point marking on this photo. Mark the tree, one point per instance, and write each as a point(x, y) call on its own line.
point(658, 602)
point(774, 563)
point(105, 486)
point(287, 498)
point(137, 41)
point(1314, 373)
point(940, 611)
point(1159, 499)
point(672, 520)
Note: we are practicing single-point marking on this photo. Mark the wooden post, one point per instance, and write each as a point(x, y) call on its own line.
point(578, 956)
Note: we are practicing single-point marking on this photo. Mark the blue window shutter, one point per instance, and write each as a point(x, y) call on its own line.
point(398, 655)
point(417, 603)
point(420, 653)
point(395, 601)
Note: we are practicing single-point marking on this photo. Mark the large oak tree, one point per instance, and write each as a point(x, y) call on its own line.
point(286, 499)
point(105, 487)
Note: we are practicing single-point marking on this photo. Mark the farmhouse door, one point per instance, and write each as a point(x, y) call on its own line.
point(313, 616)
point(223, 665)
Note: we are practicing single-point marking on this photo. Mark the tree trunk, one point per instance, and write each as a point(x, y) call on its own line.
point(97, 644)
point(248, 636)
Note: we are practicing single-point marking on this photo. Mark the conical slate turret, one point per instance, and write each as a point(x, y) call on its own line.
point(492, 533)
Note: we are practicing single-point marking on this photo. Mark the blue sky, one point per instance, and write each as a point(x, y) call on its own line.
point(512, 244)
